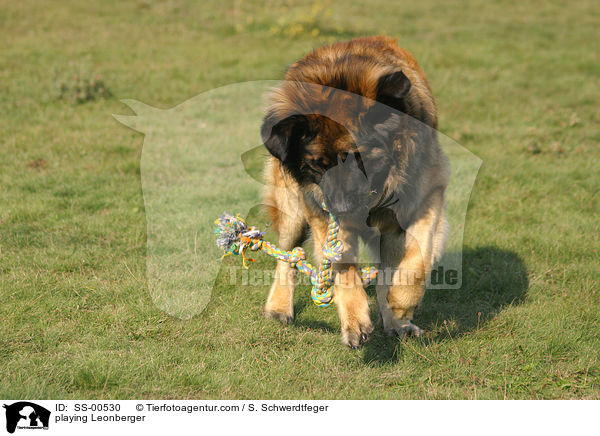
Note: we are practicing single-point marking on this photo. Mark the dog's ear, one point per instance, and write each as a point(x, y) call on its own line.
point(282, 137)
point(392, 89)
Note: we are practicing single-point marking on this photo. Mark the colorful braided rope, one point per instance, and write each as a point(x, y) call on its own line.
point(234, 236)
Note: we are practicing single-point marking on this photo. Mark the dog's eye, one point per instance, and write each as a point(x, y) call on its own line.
point(308, 136)
point(315, 165)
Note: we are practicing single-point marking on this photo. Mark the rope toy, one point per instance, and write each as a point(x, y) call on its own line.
point(234, 236)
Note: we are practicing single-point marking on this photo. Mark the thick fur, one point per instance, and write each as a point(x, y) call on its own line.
point(311, 131)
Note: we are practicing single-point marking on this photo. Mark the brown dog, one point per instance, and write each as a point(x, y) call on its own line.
point(354, 125)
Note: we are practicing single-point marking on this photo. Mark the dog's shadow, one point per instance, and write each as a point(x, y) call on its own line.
point(492, 279)
point(310, 323)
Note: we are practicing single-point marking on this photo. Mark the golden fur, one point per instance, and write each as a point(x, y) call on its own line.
point(412, 230)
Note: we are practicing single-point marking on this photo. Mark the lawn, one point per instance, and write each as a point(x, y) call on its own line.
point(516, 83)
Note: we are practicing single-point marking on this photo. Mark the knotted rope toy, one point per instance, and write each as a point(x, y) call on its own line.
point(234, 236)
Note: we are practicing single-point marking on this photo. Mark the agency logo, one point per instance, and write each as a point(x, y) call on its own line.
point(26, 415)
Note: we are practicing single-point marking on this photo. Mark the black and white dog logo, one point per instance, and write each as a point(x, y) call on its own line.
point(26, 415)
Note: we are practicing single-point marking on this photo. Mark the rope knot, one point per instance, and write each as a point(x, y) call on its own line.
point(332, 250)
point(234, 236)
point(296, 255)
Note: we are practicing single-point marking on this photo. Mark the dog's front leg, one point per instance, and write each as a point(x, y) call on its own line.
point(410, 256)
point(352, 305)
point(280, 302)
point(349, 294)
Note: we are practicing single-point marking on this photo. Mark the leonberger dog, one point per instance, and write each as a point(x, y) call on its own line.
point(354, 125)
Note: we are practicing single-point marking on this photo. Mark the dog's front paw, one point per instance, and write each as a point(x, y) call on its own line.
point(281, 316)
point(356, 335)
point(403, 328)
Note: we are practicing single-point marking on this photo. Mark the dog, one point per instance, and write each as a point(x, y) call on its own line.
point(354, 125)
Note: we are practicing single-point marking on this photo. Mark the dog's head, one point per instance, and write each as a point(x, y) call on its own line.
point(339, 134)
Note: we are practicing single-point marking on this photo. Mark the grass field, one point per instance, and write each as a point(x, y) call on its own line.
point(516, 83)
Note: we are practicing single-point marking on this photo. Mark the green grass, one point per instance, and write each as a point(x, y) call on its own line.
point(516, 83)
